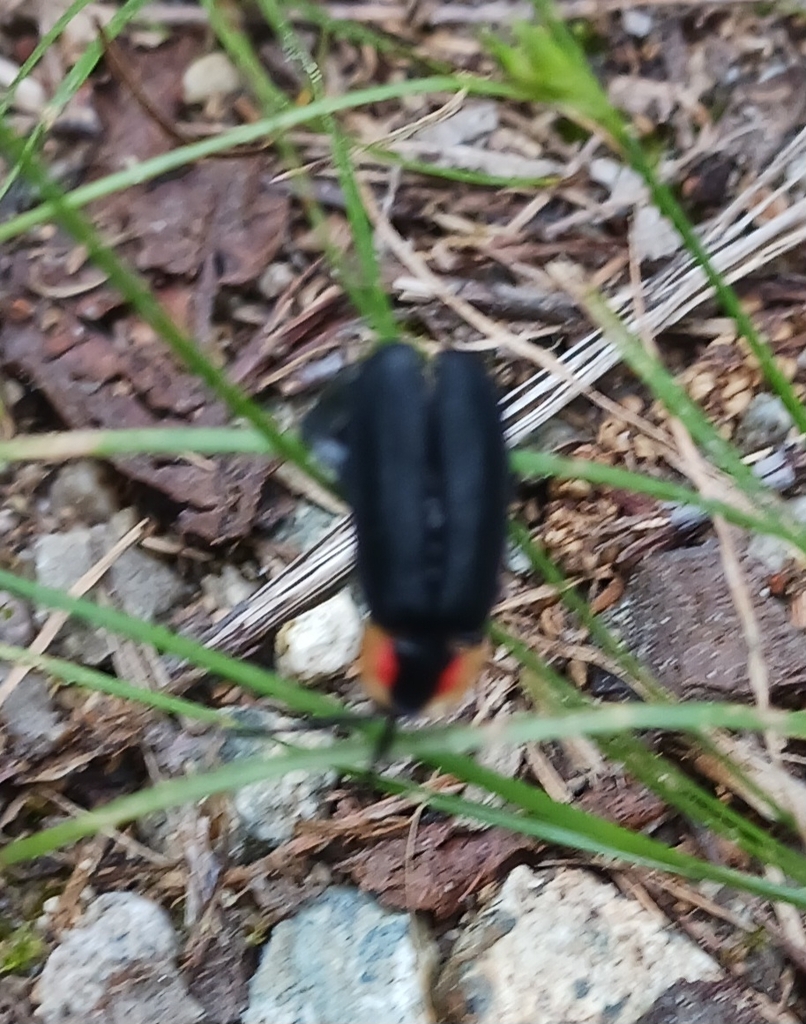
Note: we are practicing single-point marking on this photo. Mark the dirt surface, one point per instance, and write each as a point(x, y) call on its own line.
point(227, 248)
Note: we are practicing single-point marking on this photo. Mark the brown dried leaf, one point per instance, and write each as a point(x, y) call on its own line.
point(440, 870)
point(623, 802)
point(96, 381)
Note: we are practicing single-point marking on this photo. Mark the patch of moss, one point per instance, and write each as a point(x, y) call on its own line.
point(20, 949)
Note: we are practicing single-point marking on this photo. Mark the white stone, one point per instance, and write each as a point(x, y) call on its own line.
point(322, 642)
point(654, 237)
point(211, 75)
point(566, 948)
point(637, 23)
point(29, 96)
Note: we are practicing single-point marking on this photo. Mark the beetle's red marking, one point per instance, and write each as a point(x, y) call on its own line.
point(386, 663)
point(378, 664)
point(459, 674)
point(451, 677)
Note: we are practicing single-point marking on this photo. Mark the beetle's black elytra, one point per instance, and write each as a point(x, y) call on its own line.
point(426, 474)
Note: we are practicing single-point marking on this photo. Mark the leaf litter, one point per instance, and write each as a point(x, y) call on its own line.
point(719, 87)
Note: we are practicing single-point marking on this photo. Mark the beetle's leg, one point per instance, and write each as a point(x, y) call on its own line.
point(386, 738)
point(324, 426)
point(335, 721)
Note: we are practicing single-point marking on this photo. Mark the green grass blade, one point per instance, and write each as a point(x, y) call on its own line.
point(258, 680)
point(530, 464)
point(364, 284)
point(568, 826)
point(72, 444)
point(244, 135)
point(544, 818)
point(92, 679)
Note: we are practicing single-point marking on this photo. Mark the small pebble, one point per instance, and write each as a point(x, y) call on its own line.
point(30, 717)
point(275, 279)
point(765, 422)
point(266, 813)
point(211, 75)
point(637, 23)
point(228, 588)
point(8, 520)
point(304, 527)
point(29, 96)
point(654, 236)
point(516, 560)
point(16, 623)
point(81, 494)
point(322, 642)
point(60, 559)
point(145, 585)
point(771, 552)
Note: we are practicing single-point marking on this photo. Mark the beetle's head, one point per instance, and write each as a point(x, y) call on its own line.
point(412, 672)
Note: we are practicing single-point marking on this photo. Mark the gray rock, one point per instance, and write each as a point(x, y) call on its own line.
point(117, 965)
point(145, 586)
point(765, 422)
point(81, 494)
point(30, 717)
point(60, 559)
point(342, 958)
point(304, 527)
point(266, 813)
point(564, 949)
point(704, 1002)
point(772, 553)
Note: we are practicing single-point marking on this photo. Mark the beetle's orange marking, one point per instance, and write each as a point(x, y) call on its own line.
point(378, 664)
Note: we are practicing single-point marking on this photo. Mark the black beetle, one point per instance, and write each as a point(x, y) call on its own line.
point(425, 470)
